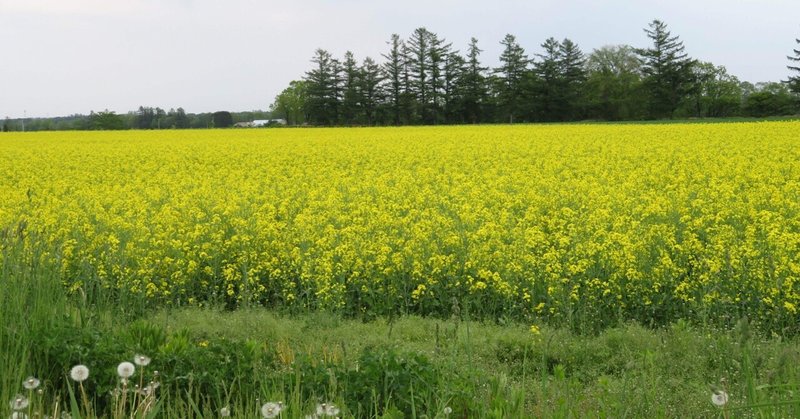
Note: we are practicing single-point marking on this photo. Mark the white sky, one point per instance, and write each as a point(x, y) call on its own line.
point(60, 57)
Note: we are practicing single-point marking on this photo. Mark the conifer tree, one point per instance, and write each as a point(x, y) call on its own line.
point(667, 71)
point(794, 81)
point(513, 65)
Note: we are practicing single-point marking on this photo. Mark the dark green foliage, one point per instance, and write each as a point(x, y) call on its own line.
point(323, 89)
point(511, 76)
point(770, 99)
point(106, 120)
point(407, 381)
point(222, 119)
point(667, 71)
point(351, 99)
point(716, 93)
point(149, 118)
point(794, 80)
point(475, 91)
point(613, 89)
point(418, 62)
point(290, 104)
point(393, 74)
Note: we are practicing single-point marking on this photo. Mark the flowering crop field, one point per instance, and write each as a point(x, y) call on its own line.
point(569, 224)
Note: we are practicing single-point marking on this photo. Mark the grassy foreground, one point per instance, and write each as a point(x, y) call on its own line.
point(209, 360)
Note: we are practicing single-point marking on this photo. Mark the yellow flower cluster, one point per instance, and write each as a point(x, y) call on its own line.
point(567, 223)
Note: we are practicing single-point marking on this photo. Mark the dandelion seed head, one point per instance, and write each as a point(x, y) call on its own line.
point(225, 412)
point(141, 360)
point(271, 409)
point(448, 410)
point(328, 409)
point(719, 398)
point(19, 415)
point(19, 402)
point(125, 369)
point(79, 373)
point(31, 383)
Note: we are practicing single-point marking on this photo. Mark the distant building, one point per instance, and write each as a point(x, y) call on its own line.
point(260, 123)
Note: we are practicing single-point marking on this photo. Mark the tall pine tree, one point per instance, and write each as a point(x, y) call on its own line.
point(513, 65)
point(418, 60)
point(794, 81)
point(369, 87)
point(322, 89)
point(351, 100)
point(667, 71)
point(474, 82)
point(549, 102)
point(393, 70)
point(573, 76)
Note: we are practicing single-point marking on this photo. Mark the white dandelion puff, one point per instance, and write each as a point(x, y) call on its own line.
point(79, 373)
point(18, 415)
point(448, 410)
point(125, 369)
point(271, 409)
point(31, 383)
point(19, 402)
point(719, 398)
point(141, 360)
point(225, 412)
point(327, 409)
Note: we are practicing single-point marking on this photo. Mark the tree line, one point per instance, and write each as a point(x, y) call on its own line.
point(424, 80)
point(146, 117)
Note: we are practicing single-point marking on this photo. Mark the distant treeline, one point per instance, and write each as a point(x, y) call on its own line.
point(143, 118)
point(424, 80)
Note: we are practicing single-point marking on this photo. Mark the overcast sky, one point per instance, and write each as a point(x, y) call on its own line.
point(61, 57)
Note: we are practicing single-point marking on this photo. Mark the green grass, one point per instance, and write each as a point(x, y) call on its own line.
point(388, 368)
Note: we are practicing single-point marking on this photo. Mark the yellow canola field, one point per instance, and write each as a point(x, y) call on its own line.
point(578, 224)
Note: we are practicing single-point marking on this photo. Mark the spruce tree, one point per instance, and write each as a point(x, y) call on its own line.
point(351, 90)
point(667, 71)
point(322, 89)
point(513, 65)
point(573, 76)
point(393, 70)
point(419, 68)
point(474, 83)
point(453, 88)
point(794, 81)
point(548, 97)
point(369, 86)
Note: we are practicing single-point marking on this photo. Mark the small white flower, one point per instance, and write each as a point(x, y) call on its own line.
point(79, 373)
point(327, 409)
point(719, 398)
point(225, 412)
point(19, 402)
point(150, 389)
point(31, 383)
point(448, 410)
point(271, 409)
point(125, 369)
point(141, 360)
